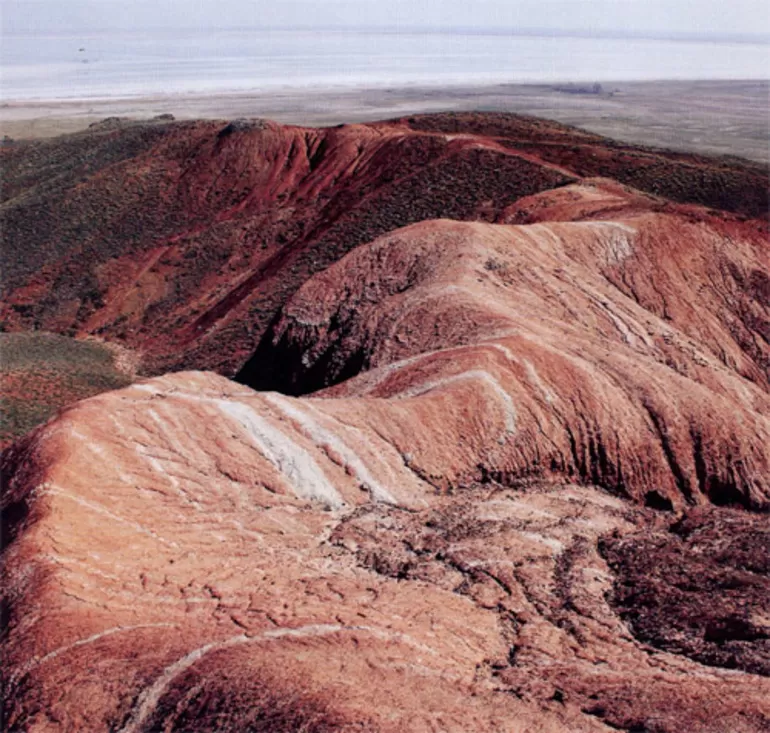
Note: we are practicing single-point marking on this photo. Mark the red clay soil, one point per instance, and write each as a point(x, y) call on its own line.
point(518, 480)
point(182, 240)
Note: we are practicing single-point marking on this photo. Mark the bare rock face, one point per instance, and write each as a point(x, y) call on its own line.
point(190, 555)
point(505, 476)
point(182, 240)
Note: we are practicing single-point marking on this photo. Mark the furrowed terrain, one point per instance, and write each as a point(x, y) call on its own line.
point(507, 467)
point(182, 240)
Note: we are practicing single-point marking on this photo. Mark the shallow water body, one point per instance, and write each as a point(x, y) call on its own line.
point(62, 66)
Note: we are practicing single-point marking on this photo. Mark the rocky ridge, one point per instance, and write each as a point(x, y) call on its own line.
point(182, 240)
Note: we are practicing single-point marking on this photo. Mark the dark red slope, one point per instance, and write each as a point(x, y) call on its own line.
point(187, 249)
point(726, 183)
point(183, 240)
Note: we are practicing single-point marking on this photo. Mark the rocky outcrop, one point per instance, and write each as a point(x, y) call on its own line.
point(182, 240)
point(426, 544)
point(617, 352)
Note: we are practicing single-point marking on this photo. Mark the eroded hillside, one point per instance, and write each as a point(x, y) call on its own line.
point(508, 474)
point(182, 240)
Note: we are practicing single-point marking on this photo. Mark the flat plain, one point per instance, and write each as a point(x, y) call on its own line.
point(713, 117)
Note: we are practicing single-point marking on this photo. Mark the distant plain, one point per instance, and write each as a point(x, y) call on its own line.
point(713, 117)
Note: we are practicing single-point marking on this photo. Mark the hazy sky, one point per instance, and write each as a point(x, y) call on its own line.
point(678, 16)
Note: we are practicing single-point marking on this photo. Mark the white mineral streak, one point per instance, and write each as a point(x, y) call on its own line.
point(149, 698)
point(36, 662)
point(52, 490)
point(616, 238)
point(300, 469)
point(535, 381)
point(509, 410)
point(322, 436)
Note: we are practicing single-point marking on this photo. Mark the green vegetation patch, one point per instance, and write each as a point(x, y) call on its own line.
point(40, 373)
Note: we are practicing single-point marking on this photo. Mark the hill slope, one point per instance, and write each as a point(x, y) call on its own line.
point(42, 372)
point(509, 508)
point(182, 240)
point(503, 474)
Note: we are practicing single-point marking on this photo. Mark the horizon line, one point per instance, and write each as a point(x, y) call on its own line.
point(538, 32)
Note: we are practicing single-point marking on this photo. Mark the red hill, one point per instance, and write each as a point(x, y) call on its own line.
point(508, 467)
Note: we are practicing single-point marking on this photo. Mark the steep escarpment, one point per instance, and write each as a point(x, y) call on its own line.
point(698, 274)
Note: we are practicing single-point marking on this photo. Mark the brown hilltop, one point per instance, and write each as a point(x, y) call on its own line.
point(522, 481)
